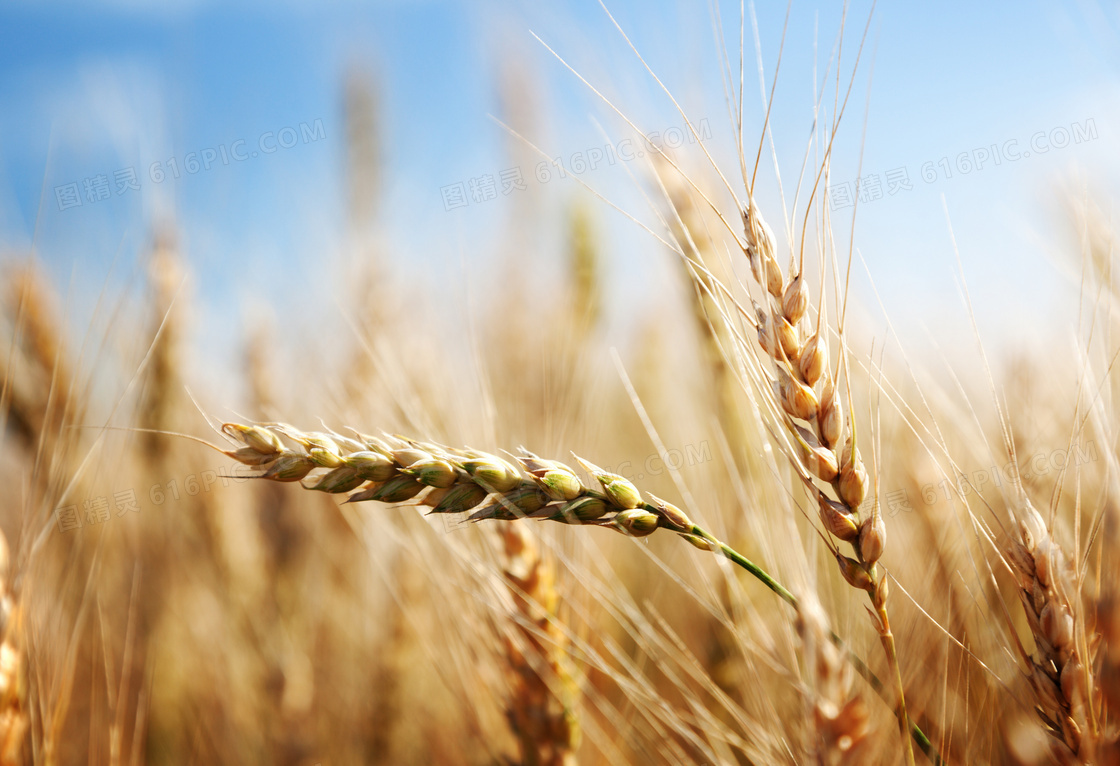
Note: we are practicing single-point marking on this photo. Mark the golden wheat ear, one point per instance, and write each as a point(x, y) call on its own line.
point(806, 392)
point(1061, 675)
point(839, 727)
point(542, 704)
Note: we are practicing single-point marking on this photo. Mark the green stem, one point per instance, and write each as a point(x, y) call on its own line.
point(764, 577)
point(748, 565)
point(892, 657)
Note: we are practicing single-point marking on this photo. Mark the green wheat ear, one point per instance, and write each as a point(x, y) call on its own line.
point(450, 480)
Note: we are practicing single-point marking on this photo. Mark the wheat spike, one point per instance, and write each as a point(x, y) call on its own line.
point(805, 390)
point(689, 231)
point(839, 717)
point(541, 708)
point(393, 469)
point(1061, 675)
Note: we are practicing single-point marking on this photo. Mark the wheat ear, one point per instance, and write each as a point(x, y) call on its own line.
point(687, 226)
point(1060, 670)
point(392, 469)
point(839, 717)
point(806, 391)
point(541, 709)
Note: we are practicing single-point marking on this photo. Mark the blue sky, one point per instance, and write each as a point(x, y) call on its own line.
point(89, 89)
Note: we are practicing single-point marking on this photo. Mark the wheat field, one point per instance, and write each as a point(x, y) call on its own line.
point(561, 504)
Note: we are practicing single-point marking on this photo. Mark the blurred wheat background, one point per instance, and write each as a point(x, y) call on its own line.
point(415, 219)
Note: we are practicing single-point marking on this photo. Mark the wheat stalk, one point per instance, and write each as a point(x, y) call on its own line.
point(687, 227)
point(159, 405)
